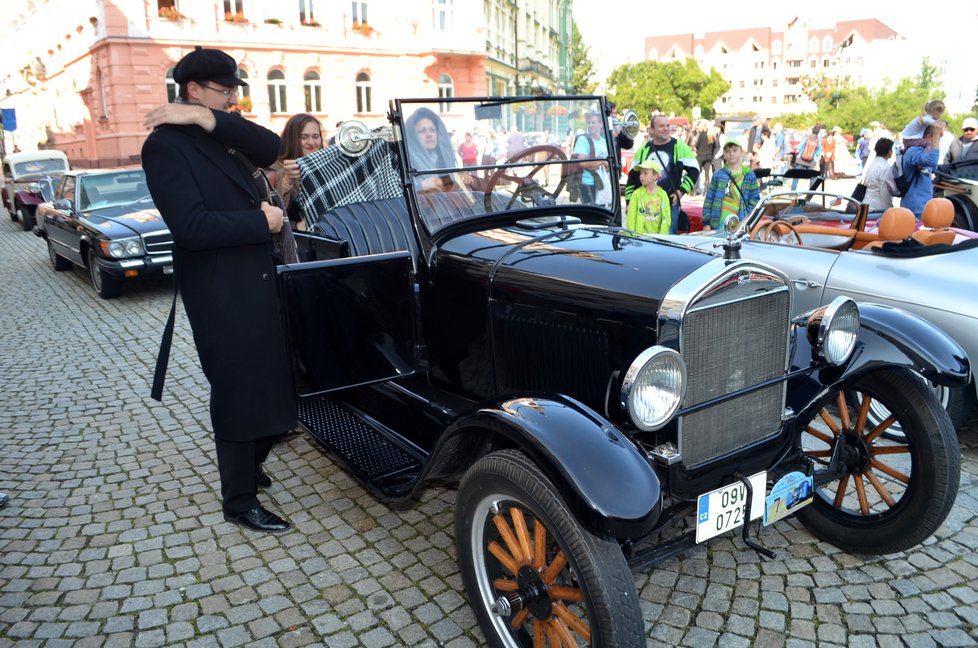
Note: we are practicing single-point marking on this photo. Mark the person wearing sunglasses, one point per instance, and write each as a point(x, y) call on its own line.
point(964, 147)
point(202, 167)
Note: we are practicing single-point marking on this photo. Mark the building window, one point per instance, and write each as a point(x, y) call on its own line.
point(233, 8)
point(812, 63)
point(446, 90)
point(742, 84)
point(313, 87)
point(307, 15)
point(359, 12)
point(363, 93)
point(171, 87)
point(827, 44)
point(813, 44)
point(244, 91)
point(276, 92)
point(794, 64)
point(826, 62)
point(441, 14)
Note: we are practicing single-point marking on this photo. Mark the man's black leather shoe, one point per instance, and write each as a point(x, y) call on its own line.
point(259, 519)
point(263, 480)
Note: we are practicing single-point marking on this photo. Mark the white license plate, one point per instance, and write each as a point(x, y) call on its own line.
point(721, 510)
point(167, 269)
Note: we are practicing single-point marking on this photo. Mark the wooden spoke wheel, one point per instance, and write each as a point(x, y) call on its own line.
point(876, 494)
point(535, 577)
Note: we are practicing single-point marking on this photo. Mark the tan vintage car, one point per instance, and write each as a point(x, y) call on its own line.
point(21, 171)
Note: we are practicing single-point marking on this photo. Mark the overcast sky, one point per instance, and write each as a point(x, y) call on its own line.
point(615, 31)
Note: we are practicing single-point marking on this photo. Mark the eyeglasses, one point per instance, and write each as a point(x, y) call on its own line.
point(227, 92)
point(968, 130)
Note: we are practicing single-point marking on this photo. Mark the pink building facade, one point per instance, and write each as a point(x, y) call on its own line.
point(81, 75)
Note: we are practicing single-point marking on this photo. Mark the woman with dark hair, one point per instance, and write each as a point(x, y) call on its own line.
point(302, 135)
point(429, 147)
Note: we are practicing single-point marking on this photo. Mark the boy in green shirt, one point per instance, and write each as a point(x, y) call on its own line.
point(648, 209)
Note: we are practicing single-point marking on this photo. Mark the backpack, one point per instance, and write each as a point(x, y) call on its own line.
point(807, 155)
point(901, 178)
point(574, 175)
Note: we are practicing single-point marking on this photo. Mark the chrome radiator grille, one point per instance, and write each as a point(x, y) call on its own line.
point(158, 242)
point(728, 346)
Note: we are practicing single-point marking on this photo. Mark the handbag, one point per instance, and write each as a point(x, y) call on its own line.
point(859, 193)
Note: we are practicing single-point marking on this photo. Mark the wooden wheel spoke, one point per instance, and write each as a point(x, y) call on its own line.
point(861, 494)
point(506, 534)
point(892, 472)
point(563, 632)
point(520, 618)
point(539, 545)
point(880, 488)
point(829, 421)
point(504, 558)
point(818, 434)
point(840, 492)
point(522, 534)
point(863, 413)
point(541, 633)
point(552, 638)
point(550, 573)
point(561, 593)
point(880, 429)
point(505, 585)
point(573, 622)
point(895, 449)
point(840, 402)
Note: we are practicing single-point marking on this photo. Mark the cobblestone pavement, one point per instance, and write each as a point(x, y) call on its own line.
point(114, 535)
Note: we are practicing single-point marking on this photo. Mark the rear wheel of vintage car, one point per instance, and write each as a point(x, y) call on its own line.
point(26, 215)
point(890, 494)
point(58, 262)
point(104, 284)
point(534, 576)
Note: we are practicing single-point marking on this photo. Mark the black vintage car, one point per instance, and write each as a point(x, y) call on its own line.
point(606, 400)
point(105, 221)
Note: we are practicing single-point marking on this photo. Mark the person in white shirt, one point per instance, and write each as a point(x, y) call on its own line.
point(880, 187)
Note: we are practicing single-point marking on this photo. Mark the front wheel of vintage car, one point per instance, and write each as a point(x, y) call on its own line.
point(534, 576)
point(886, 495)
point(104, 284)
point(26, 215)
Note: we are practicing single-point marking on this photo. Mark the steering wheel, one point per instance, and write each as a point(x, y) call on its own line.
point(525, 184)
point(777, 232)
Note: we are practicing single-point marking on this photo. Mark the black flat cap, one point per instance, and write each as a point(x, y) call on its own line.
point(207, 65)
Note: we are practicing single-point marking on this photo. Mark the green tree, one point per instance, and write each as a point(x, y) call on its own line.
point(671, 87)
point(582, 78)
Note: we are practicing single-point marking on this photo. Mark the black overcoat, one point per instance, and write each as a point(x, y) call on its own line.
point(222, 260)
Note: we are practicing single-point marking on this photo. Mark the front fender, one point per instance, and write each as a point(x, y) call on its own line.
point(608, 484)
point(27, 198)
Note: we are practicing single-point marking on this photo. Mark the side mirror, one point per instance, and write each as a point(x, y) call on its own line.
point(62, 204)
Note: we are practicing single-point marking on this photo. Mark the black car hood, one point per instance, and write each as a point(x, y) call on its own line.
point(603, 268)
point(125, 220)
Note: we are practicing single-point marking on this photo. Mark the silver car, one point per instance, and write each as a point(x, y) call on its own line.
point(818, 240)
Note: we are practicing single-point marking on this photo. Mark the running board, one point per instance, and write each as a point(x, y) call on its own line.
point(376, 455)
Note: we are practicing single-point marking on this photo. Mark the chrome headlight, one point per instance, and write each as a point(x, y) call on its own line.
point(653, 388)
point(122, 248)
point(832, 330)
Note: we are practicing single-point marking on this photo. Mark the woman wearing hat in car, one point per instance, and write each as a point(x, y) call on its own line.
point(200, 164)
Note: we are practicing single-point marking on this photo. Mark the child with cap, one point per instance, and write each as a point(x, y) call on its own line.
point(733, 190)
point(648, 209)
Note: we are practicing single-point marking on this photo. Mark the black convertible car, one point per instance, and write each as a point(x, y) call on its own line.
point(104, 221)
point(604, 399)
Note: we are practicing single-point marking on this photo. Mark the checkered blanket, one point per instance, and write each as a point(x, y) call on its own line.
point(331, 179)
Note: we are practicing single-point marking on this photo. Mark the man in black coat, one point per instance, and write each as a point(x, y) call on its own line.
point(199, 162)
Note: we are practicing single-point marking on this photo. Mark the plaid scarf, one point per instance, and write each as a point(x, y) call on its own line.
point(330, 179)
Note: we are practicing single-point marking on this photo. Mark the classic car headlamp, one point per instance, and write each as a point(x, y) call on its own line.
point(832, 330)
point(653, 388)
point(122, 248)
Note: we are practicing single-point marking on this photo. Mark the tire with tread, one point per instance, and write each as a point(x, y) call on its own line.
point(58, 262)
point(105, 285)
point(26, 215)
point(594, 588)
point(919, 475)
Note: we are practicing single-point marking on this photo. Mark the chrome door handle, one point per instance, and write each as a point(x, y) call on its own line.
point(805, 283)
